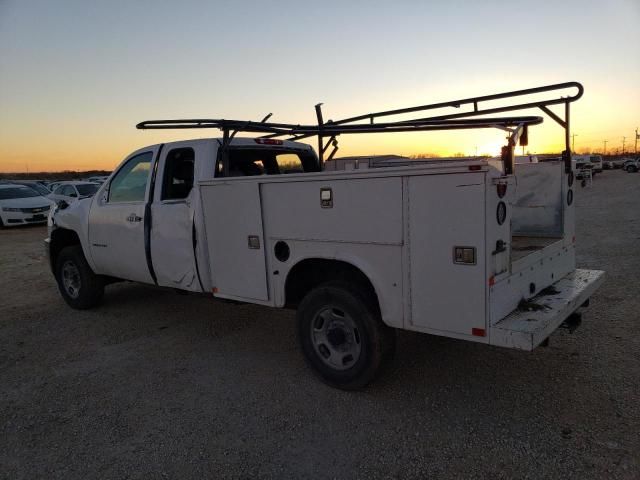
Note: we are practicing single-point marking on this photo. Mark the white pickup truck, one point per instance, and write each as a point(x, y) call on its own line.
point(359, 246)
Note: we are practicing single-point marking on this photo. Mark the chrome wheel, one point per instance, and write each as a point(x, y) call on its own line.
point(71, 279)
point(336, 338)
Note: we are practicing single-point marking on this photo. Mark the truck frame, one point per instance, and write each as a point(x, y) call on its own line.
point(469, 248)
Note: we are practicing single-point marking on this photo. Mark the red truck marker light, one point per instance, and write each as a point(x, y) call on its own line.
point(478, 332)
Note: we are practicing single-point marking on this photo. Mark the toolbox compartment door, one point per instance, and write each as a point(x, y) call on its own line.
point(447, 211)
point(235, 240)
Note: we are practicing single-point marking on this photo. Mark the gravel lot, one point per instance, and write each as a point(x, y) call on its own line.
point(154, 384)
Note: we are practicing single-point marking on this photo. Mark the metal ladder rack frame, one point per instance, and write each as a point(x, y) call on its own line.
point(517, 126)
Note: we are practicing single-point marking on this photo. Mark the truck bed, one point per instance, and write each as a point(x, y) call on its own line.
point(521, 246)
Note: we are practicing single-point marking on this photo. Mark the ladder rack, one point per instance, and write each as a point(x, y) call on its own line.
point(517, 126)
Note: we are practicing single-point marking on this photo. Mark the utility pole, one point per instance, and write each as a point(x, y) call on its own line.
point(624, 139)
point(573, 141)
point(605, 147)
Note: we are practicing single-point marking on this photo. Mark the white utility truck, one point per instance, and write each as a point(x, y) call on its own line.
point(360, 246)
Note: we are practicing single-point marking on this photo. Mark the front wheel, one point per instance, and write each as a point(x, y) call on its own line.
point(342, 335)
point(80, 287)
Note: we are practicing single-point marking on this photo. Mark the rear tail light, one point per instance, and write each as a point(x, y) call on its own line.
point(478, 332)
point(267, 141)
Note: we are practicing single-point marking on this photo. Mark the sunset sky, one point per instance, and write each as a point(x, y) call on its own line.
point(76, 76)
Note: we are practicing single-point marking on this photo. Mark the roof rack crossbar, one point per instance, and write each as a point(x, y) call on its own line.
point(331, 129)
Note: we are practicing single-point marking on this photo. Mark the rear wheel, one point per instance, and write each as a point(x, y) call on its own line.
point(342, 335)
point(80, 287)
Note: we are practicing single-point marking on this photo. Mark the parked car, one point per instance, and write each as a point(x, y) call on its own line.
point(52, 185)
point(592, 162)
point(631, 165)
point(20, 205)
point(582, 167)
point(596, 162)
point(612, 164)
point(73, 190)
point(98, 179)
point(36, 185)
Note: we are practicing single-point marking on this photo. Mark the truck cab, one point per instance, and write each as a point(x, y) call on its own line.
point(142, 223)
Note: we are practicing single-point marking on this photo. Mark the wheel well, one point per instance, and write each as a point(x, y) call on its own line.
point(309, 273)
point(61, 238)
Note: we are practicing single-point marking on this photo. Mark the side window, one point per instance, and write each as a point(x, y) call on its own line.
point(69, 191)
point(130, 183)
point(59, 190)
point(289, 163)
point(178, 174)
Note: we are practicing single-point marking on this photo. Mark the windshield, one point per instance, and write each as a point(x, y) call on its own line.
point(38, 187)
point(87, 189)
point(17, 192)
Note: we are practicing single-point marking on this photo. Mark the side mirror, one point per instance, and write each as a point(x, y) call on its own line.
point(62, 204)
point(74, 195)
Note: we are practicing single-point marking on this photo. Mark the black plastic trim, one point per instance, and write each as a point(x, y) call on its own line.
point(147, 217)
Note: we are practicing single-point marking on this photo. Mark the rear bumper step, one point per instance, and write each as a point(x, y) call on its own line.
point(525, 330)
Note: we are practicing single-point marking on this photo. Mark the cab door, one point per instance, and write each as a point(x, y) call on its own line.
point(173, 231)
point(117, 220)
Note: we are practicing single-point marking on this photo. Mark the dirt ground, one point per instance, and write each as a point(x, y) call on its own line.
point(154, 384)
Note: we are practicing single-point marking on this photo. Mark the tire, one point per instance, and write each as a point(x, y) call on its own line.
point(342, 335)
point(78, 285)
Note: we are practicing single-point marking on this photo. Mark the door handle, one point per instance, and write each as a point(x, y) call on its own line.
point(134, 218)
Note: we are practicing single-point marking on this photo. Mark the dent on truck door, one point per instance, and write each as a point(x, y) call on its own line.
point(117, 222)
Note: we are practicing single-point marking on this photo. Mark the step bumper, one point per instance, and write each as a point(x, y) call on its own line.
point(526, 329)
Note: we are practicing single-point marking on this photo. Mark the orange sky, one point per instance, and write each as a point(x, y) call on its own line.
point(75, 77)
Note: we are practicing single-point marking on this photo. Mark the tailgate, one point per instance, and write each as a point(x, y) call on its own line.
point(525, 330)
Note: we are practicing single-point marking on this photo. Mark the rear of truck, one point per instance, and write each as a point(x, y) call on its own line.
point(534, 286)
